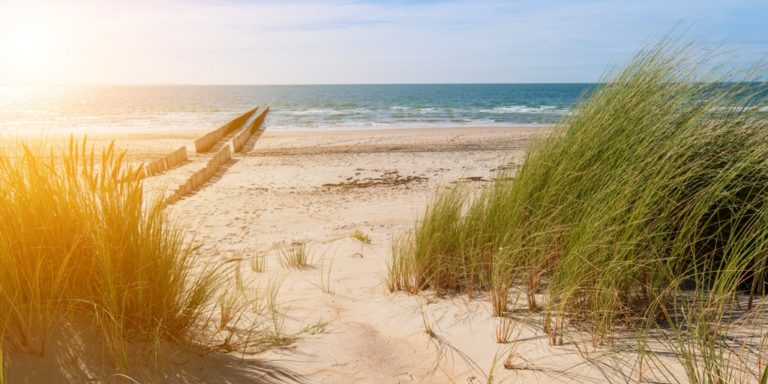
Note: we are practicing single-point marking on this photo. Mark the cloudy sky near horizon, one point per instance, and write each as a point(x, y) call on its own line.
point(352, 41)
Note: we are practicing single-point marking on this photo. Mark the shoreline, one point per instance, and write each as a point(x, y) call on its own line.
point(143, 146)
point(401, 129)
point(384, 127)
point(194, 133)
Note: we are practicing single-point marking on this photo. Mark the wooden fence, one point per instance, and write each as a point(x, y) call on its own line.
point(239, 141)
point(205, 143)
point(165, 163)
point(223, 156)
point(176, 158)
point(154, 167)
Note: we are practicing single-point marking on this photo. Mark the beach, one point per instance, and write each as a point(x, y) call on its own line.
point(333, 161)
point(383, 192)
point(344, 198)
point(299, 186)
point(318, 188)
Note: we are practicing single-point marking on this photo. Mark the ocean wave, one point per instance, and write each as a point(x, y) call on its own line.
point(738, 109)
point(327, 112)
point(351, 126)
point(524, 109)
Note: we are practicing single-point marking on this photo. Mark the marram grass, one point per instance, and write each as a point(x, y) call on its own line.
point(647, 207)
point(79, 241)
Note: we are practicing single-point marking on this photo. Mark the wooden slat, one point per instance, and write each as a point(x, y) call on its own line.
point(176, 158)
point(202, 175)
point(205, 143)
point(239, 141)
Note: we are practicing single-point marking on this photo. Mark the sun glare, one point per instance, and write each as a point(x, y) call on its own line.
point(27, 49)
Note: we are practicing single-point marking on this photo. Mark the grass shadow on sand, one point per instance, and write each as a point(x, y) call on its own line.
point(77, 354)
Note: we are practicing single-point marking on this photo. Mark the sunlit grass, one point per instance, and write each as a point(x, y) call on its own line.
point(645, 208)
point(78, 240)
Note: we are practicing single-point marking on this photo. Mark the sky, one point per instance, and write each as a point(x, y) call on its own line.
point(65, 42)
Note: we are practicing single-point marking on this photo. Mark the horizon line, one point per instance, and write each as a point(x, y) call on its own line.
point(277, 84)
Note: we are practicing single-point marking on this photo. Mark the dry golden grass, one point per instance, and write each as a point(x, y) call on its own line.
point(294, 255)
point(80, 242)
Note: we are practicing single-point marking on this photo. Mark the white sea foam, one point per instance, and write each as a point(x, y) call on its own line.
point(327, 112)
point(738, 109)
point(312, 112)
point(354, 126)
point(524, 109)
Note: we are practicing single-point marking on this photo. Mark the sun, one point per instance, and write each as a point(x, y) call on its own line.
point(28, 47)
point(26, 50)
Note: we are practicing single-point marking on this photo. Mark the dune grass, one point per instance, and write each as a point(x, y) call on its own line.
point(258, 263)
point(294, 255)
point(79, 241)
point(647, 207)
point(360, 236)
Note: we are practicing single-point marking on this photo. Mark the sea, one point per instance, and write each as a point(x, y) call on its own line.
point(85, 109)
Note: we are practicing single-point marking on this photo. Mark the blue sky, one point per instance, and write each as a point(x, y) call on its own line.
point(279, 42)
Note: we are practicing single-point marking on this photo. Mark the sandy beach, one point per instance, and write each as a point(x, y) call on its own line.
point(338, 319)
point(318, 188)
